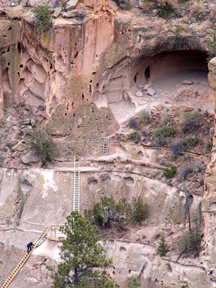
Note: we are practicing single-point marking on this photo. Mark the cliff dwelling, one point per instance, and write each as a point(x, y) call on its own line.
point(131, 87)
point(126, 96)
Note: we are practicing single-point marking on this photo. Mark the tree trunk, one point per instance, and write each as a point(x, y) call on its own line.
point(76, 280)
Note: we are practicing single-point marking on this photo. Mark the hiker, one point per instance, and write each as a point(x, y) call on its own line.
point(29, 247)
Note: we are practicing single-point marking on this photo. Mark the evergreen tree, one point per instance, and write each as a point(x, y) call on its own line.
point(81, 255)
point(134, 283)
point(163, 247)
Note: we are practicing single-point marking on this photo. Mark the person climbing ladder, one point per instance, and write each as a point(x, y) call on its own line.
point(29, 247)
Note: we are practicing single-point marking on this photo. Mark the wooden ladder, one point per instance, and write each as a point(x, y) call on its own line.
point(24, 259)
point(76, 187)
point(105, 148)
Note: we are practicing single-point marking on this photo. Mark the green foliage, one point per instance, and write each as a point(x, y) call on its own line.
point(81, 255)
point(163, 248)
point(165, 9)
point(42, 145)
point(41, 14)
point(211, 44)
point(107, 210)
point(170, 173)
point(208, 146)
point(191, 115)
point(192, 141)
point(165, 131)
point(144, 117)
point(134, 283)
point(139, 211)
point(186, 158)
point(134, 136)
point(164, 120)
point(191, 244)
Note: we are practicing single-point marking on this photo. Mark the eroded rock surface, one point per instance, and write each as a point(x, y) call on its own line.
point(92, 70)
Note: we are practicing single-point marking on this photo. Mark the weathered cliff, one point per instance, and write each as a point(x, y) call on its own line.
point(83, 79)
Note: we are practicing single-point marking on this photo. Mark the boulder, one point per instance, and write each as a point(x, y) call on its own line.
point(30, 157)
point(151, 92)
point(139, 94)
point(71, 4)
point(57, 12)
point(187, 82)
point(20, 146)
point(156, 106)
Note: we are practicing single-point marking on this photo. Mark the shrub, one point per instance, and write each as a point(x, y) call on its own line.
point(107, 210)
point(191, 243)
point(208, 146)
point(164, 120)
point(41, 14)
point(161, 141)
point(144, 117)
point(139, 210)
point(134, 136)
point(163, 248)
point(178, 146)
point(132, 124)
point(186, 158)
point(191, 122)
point(134, 283)
point(192, 141)
point(165, 131)
point(170, 173)
point(185, 172)
point(42, 145)
point(165, 9)
point(123, 4)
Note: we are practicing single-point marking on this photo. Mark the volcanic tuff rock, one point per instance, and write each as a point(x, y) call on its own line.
point(94, 68)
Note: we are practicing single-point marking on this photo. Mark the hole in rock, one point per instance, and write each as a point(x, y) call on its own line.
point(122, 249)
point(212, 206)
point(169, 268)
point(8, 49)
point(129, 181)
point(147, 73)
point(19, 47)
point(135, 78)
point(21, 66)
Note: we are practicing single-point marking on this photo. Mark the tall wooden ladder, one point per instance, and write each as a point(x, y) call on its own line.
point(76, 187)
point(105, 148)
point(24, 259)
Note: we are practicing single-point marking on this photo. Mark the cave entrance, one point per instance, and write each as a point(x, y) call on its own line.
point(168, 63)
point(138, 84)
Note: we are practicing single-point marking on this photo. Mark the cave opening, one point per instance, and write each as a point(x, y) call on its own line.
point(161, 76)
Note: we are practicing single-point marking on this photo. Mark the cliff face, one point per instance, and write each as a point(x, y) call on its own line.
point(83, 79)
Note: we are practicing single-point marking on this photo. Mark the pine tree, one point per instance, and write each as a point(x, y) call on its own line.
point(134, 283)
point(163, 247)
point(81, 254)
